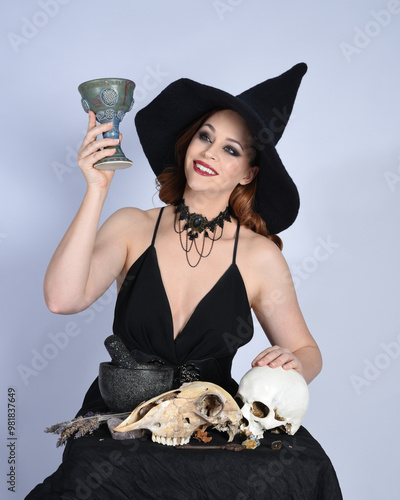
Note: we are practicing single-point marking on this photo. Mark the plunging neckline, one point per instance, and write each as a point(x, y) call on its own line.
point(163, 299)
point(232, 265)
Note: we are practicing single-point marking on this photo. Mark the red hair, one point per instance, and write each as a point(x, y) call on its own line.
point(172, 181)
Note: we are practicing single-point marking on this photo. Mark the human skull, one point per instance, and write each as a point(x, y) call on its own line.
point(175, 415)
point(272, 398)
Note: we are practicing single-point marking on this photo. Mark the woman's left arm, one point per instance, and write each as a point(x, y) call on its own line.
point(277, 309)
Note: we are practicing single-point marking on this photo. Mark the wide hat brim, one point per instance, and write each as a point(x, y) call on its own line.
point(266, 109)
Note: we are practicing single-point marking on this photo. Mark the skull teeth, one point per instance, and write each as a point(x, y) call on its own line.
point(170, 441)
point(248, 432)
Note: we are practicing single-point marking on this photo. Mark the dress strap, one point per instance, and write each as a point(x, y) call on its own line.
point(236, 243)
point(156, 228)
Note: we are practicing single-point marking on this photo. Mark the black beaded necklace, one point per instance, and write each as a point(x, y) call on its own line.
point(196, 225)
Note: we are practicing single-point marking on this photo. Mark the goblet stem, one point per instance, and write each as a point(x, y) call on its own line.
point(118, 160)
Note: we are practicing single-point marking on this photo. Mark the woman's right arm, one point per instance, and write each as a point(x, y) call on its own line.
point(86, 261)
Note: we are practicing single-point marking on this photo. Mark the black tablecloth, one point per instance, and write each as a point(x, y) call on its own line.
point(99, 467)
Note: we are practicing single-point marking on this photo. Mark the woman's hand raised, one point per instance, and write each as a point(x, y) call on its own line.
point(91, 151)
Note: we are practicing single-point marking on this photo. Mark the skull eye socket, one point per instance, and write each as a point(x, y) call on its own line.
point(210, 405)
point(259, 409)
point(239, 401)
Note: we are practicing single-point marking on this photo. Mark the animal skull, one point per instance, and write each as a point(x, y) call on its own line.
point(273, 398)
point(174, 416)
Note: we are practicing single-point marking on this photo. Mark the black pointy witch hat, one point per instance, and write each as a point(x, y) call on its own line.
point(266, 107)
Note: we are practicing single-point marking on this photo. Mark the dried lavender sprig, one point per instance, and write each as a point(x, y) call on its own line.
point(81, 425)
point(103, 417)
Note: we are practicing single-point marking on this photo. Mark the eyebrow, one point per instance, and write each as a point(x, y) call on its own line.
point(228, 138)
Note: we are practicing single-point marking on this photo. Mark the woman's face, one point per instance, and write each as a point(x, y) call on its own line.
point(219, 154)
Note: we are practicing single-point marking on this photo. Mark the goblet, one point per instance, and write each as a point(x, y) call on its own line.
point(109, 99)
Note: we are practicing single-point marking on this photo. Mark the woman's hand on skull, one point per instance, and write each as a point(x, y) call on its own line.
point(278, 356)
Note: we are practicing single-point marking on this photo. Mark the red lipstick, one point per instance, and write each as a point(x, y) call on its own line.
point(202, 172)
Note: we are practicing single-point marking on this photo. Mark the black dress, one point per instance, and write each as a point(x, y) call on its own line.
point(98, 467)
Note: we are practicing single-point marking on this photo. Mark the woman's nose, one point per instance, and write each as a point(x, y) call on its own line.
point(210, 152)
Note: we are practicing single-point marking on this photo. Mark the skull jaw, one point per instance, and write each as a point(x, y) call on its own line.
point(272, 422)
point(252, 430)
point(170, 438)
point(230, 429)
point(170, 441)
point(258, 432)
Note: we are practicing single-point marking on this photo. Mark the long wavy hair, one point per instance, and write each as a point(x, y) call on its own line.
point(172, 181)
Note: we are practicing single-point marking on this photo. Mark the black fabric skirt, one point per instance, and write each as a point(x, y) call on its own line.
point(99, 467)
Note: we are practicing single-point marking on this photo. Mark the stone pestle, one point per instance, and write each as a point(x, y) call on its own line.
point(119, 353)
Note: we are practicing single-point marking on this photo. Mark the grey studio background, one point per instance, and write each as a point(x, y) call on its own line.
point(341, 147)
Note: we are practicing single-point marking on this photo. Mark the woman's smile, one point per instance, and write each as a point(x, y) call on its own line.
point(202, 168)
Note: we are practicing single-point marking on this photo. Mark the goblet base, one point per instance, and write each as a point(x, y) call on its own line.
point(113, 164)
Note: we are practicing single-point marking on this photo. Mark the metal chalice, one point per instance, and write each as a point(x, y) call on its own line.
point(109, 99)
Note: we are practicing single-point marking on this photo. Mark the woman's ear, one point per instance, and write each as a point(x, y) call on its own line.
point(251, 173)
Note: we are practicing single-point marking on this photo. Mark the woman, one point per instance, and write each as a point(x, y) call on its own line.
point(189, 273)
